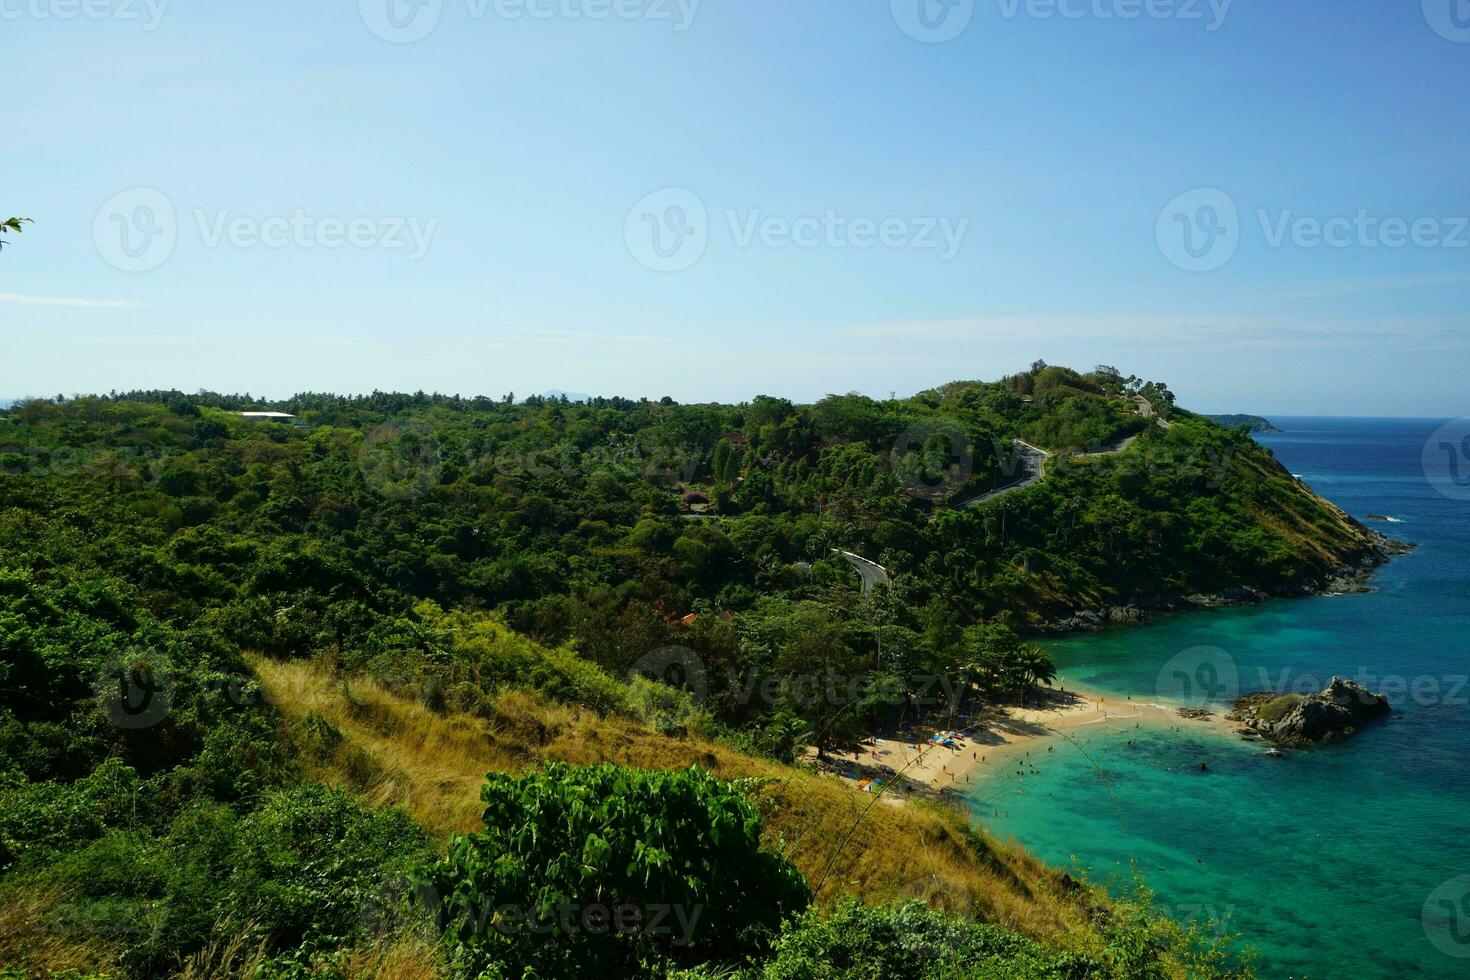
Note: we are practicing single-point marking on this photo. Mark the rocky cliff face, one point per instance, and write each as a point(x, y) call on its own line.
point(1349, 577)
point(1341, 709)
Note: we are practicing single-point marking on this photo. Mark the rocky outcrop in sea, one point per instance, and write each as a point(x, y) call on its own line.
point(1343, 708)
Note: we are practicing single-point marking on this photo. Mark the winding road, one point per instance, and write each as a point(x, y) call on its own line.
point(1033, 460)
point(872, 573)
point(1032, 466)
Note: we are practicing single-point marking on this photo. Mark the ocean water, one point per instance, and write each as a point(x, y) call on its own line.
point(1348, 861)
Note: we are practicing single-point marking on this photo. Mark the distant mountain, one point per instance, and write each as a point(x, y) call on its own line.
point(1254, 422)
point(571, 396)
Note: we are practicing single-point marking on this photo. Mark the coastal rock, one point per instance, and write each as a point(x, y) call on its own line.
point(1348, 578)
point(1354, 577)
point(1341, 709)
point(1131, 615)
point(1238, 595)
point(1389, 547)
point(1083, 620)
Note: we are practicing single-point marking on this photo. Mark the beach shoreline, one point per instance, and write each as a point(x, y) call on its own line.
point(935, 763)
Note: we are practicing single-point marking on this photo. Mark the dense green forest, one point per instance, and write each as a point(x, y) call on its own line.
point(166, 811)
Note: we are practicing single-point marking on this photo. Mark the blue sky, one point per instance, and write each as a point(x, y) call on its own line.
point(273, 197)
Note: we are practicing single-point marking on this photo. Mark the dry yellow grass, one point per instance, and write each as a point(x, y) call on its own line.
point(407, 957)
point(32, 939)
point(395, 751)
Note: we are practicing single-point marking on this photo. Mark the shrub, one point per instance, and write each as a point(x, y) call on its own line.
point(909, 940)
point(607, 871)
point(312, 862)
point(1277, 708)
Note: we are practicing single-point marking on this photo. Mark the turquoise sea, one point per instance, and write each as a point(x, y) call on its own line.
point(1350, 861)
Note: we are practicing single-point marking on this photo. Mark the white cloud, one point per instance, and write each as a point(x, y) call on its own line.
point(1350, 287)
point(21, 299)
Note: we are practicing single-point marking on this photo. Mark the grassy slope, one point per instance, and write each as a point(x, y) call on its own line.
point(394, 751)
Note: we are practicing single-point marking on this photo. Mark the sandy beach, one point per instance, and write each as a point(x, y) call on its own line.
point(926, 761)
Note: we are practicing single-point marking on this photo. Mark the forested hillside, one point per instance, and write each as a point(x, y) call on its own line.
point(171, 801)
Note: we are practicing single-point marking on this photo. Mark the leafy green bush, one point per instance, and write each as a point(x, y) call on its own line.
point(479, 647)
point(857, 942)
point(607, 871)
point(40, 821)
point(311, 863)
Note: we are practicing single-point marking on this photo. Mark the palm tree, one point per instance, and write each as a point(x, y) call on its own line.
point(11, 225)
point(1034, 666)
